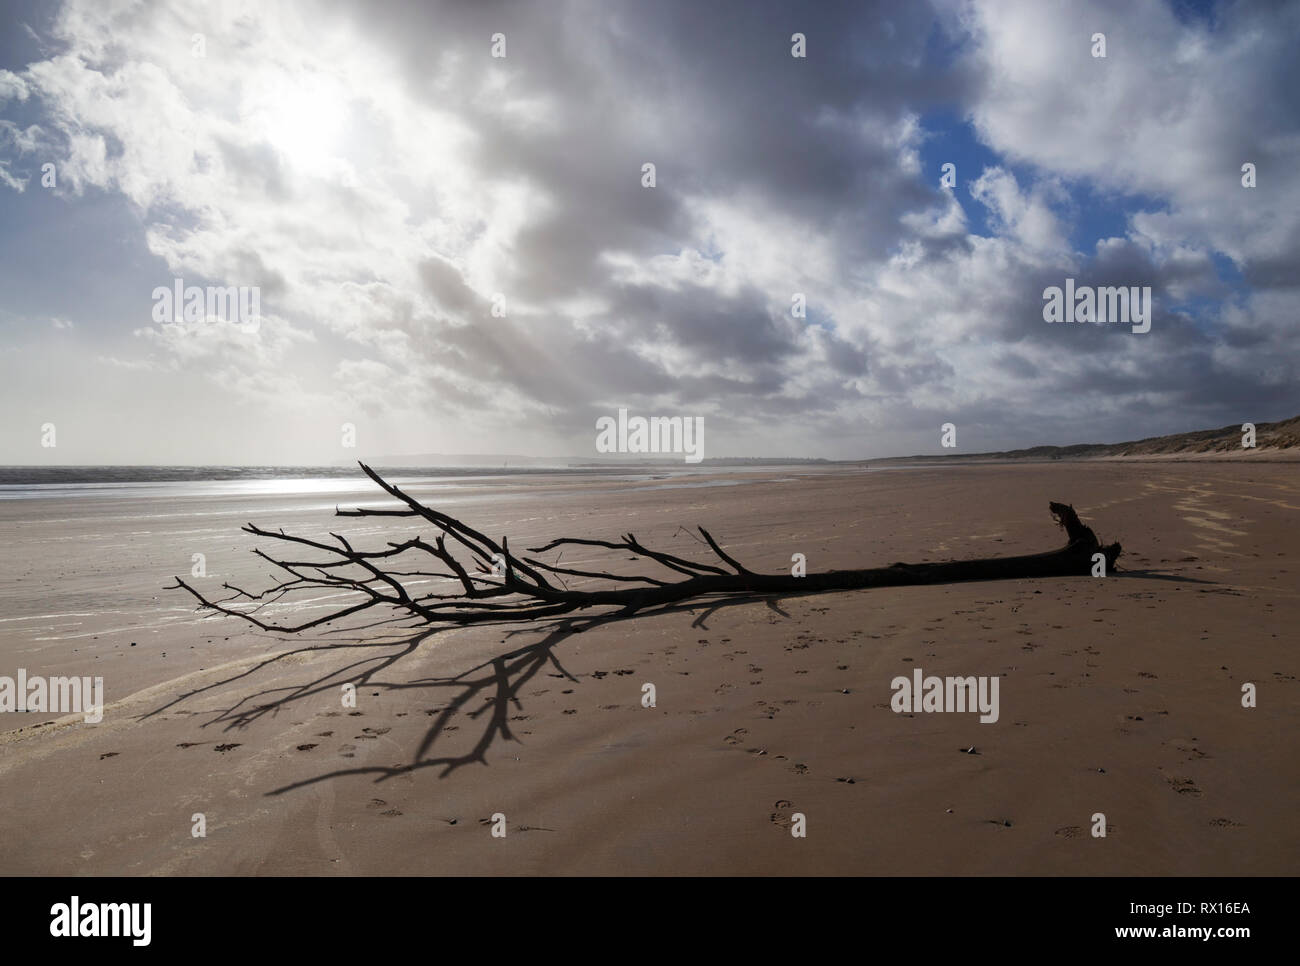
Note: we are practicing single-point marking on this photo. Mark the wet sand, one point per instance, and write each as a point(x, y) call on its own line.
point(1119, 696)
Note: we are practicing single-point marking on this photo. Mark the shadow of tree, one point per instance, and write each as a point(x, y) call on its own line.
point(487, 693)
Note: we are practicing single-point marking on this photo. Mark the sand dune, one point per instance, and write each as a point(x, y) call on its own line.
point(1273, 441)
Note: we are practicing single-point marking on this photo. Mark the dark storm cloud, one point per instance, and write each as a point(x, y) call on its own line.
point(708, 92)
point(726, 328)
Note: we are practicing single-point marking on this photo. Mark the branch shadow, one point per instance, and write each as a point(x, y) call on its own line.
point(494, 683)
point(488, 692)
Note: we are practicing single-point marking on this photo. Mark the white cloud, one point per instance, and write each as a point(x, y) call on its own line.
point(381, 178)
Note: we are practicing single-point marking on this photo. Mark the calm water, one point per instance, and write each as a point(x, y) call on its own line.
point(45, 482)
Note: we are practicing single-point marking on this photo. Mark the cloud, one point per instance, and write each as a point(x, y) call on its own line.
point(384, 180)
point(12, 85)
point(9, 181)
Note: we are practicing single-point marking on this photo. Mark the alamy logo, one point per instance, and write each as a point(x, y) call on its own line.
point(61, 695)
point(657, 434)
point(190, 303)
point(72, 919)
point(1125, 306)
point(919, 693)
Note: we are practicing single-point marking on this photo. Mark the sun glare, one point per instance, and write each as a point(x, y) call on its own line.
point(302, 118)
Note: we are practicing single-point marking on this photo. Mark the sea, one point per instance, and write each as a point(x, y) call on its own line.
point(48, 482)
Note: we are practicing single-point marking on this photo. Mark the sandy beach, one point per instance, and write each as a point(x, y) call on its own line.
point(1120, 696)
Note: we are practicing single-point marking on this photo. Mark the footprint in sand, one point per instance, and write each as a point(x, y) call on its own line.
point(108, 754)
point(782, 816)
point(1183, 786)
point(799, 768)
point(1189, 747)
point(225, 748)
point(1076, 831)
point(306, 747)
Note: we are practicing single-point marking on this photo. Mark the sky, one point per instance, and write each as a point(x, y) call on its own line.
point(456, 252)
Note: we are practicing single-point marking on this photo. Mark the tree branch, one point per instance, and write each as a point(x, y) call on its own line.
point(522, 592)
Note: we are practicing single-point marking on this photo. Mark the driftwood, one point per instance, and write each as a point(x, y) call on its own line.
point(510, 587)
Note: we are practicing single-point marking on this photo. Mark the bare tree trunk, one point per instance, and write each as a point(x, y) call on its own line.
point(507, 587)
